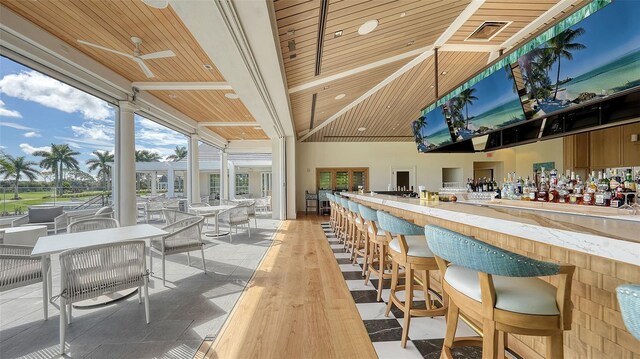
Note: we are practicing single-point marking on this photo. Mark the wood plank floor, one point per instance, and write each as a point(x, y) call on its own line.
point(296, 306)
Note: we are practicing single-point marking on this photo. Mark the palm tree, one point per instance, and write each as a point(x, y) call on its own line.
point(19, 167)
point(100, 163)
point(5, 164)
point(180, 153)
point(60, 157)
point(147, 156)
point(466, 98)
point(561, 46)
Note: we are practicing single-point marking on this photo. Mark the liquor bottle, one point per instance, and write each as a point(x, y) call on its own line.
point(490, 185)
point(543, 188)
point(617, 197)
point(629, 184)
point(520, 185)
point(603, 196)
point(553, 177)
point(579, 195)
point(503, 191)
point(590, 190)
point(554, 196)
point(614, 180)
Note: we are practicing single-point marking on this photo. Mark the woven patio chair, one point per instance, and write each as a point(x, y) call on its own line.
point(90, 272)
point(184, 236)
point(19, 269)
point(236, 216)
point(92, 224)
point(172, 215)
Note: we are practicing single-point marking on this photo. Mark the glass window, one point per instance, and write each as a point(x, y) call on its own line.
point(266, 184)
point(342, 181)
point(324, 180)
point(214, 185)
point(242, 183)
point(358, 180)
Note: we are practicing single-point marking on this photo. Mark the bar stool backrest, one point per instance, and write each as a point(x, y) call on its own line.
point(344, 202)
point(483, 257)
point(353, 207)
point(398, 226)
point(629, 300)
point(368, 214)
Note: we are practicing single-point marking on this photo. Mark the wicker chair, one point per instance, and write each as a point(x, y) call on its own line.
point(263, 204)
point(153, 208)
point(184, 236)
point(18, 269)
point(172, 216)
point(105, 212)
point(235, 217)
point(93, 271)
point(92, 224)
point(251, 210)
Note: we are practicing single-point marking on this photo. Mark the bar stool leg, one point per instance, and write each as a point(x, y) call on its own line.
point(424, 275)
point(394, 285)
point(408, 301)
point(365, 251)
point(452, 324)
point(381, 266)
point(555, 346)
point(490, 340)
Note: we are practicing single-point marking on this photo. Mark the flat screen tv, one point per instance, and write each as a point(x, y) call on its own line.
point(489, 105)
point(594, 59)
point(431, 130)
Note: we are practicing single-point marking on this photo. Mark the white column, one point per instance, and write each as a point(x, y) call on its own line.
point(193, 171)
point(124, 195)
point(232, 180)
point(154, 183)
point(224, 175)
point(171, 178)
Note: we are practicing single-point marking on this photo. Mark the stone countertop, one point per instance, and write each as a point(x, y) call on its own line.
point(603, 236)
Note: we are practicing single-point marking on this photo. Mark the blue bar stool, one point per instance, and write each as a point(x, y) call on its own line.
point(629, 300)
point(408, 248)
point(375, 248)
point(356, 244)
point(342, 225)
point(332, 211)
point(500, 289)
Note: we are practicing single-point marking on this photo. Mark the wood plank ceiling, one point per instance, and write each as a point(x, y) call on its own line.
point(317, 74)
point(112, 23)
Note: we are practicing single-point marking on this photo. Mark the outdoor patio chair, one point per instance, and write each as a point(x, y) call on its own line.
point(236, 216)
point(172, 216)
point(105, 212)
point(90, 272)
point(184, 236)
point(53, 217)
point(251, 210)
point(92, 224)
point(263, 204)
point(153, 208)
point(19, 269)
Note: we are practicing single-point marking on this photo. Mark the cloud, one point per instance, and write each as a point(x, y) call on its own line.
point(93, 131)
point(31, 134)
point(17, 126)
point(28, 149)
point(8, 113)
point(36, 87)
point(155, 134)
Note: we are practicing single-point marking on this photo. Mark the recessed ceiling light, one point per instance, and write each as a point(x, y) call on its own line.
point(367, 27)
point(257, 128)
point(411, 42)
point(326, 87)
point(207, 67)
point(444, 72)
point(403, 14)
point(172, 95)
point(340, 96)
point(231, 95)
point(157, 4)
point(337, 34)
point(362, 129)
point(388, 106)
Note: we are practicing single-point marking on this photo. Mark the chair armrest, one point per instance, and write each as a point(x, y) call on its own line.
point(61, 221)
point(16, 249)
point(20, 221)
point(563, 294)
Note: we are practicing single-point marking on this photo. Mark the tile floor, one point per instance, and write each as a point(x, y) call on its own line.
point(191, 307)
point(425, 334)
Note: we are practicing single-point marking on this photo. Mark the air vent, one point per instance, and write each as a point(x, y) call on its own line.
point(488, 30)
point(292, 45)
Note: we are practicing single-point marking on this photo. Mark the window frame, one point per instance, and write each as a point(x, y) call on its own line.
point(350, 171)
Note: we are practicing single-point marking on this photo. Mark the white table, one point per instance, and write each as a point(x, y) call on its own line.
point(214, 211)
point(48, 245)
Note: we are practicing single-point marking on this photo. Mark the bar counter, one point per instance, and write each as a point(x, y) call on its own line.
point(604, 249)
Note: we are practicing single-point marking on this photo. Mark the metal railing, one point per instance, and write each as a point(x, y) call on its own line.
point(69, 197)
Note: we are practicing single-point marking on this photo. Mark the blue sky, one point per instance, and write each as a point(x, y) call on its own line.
point(492, 91)
point(609, 33)
point(36, 110)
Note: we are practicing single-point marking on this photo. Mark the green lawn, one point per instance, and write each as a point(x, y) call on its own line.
point(8, 205)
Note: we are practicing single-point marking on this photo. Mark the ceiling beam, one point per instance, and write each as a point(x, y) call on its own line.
point(228, 124)
point(181, 86)
point(548, 15)
point(388, 60)
point(442, 39)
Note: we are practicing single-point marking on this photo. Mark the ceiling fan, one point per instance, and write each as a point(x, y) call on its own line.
point(136, 56)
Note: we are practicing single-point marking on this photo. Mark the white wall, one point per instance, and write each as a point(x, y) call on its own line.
point(380, 157)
